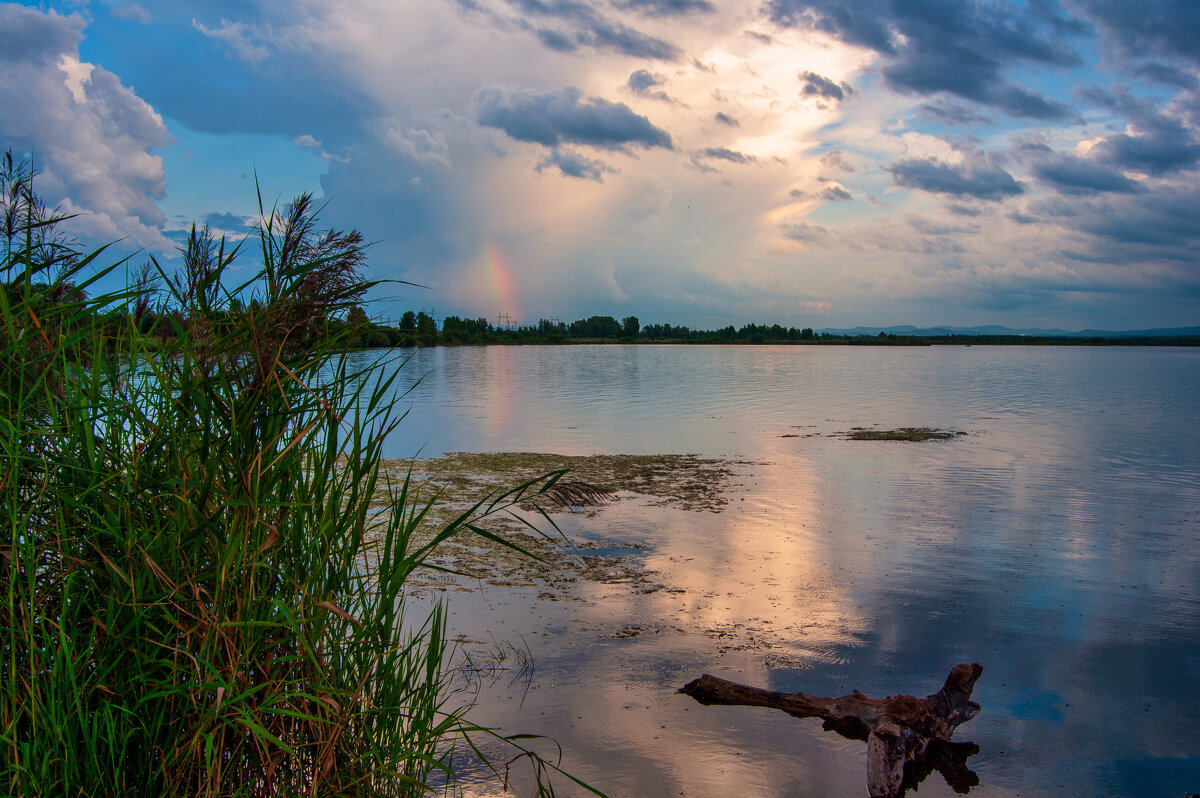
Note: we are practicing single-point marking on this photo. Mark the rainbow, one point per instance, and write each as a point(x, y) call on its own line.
point(500, 281)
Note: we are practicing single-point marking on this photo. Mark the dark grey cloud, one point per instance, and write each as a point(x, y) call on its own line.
point(643, 83)
point(977, 176)
point(1162, 27)
point(229, 222)
point(1166, 75)
point(961, 47)
point(627, 41)
point(867, 23)
point(565, 116)
point(644, 79)
point(29, 36)
point(1161, 225)
point(835, 194)
point(572, 164)
point(1158, 144)
point(1163, 145)
point(556, 41)
point(666, 8)
point(950, 113)
point(726, 119)
point(588, 28)
point(1073, 175)
point(814, 85)
point(724, 154)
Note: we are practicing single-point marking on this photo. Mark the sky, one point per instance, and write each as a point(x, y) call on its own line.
point(820, 163)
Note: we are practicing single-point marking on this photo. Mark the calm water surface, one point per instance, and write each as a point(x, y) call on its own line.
point(1056, 543)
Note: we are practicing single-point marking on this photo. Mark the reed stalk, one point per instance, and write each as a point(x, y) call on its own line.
point(199, 593)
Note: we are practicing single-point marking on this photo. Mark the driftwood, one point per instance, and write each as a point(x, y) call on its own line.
point(907, 737)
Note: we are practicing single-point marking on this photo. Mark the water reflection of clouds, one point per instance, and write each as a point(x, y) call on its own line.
point(1056, 544)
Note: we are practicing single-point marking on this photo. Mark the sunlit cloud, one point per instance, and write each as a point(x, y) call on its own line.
point(625, 155)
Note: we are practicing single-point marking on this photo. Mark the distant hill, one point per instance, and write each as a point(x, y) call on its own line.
point(993, 329)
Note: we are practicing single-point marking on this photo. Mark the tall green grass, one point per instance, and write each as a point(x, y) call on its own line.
point(200, 595)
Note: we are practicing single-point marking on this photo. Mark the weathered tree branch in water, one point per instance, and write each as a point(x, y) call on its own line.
point(901, 731)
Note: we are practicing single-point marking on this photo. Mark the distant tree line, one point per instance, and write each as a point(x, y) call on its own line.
point(420, 329)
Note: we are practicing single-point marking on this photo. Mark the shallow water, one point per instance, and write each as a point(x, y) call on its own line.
point(1056, 544)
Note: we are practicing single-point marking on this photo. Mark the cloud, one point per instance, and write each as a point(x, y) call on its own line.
point(30, 37)
point(836, 159)
point(556, 40)
point(834, 194)
point(1166, 75)
point(1163, 27)
point(586, 27)
point(724, 154)
point(243, 38)
point(814, 85)
point(803, 231)
point(667, 8)
point(1073, 175)
point(950, 113)
point(961, 48)
point(420, 144)
point(1163, 224)
point(1156, 144)
point(92, 137)
point(643, 81)
point(559, 116)
point(230, 223)
point(627, 41)
point(725, 119)
point(977, 176)
point(572, 164)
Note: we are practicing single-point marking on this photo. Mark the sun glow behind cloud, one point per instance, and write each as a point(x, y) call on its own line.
point(693, 162)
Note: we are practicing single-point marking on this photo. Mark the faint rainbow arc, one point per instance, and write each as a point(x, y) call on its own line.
point(502, 284)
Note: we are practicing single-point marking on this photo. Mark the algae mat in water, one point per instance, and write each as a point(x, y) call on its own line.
point(463, 479)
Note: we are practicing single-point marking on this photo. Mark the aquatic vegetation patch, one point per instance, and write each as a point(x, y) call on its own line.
point(909, 434)
point(463, 479)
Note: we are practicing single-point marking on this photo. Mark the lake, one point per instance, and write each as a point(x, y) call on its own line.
point(1057, 543)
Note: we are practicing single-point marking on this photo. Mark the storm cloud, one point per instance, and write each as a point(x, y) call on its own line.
point(643, 83)
point(1073, 175)
point(961, 48)
point(977, 176)
point(559, 116)
point(667, 8)
point(572, 164)
point(834, 194)
point(726, 154)
point(1048, 137)
point(814, 85)
point(587, 27)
